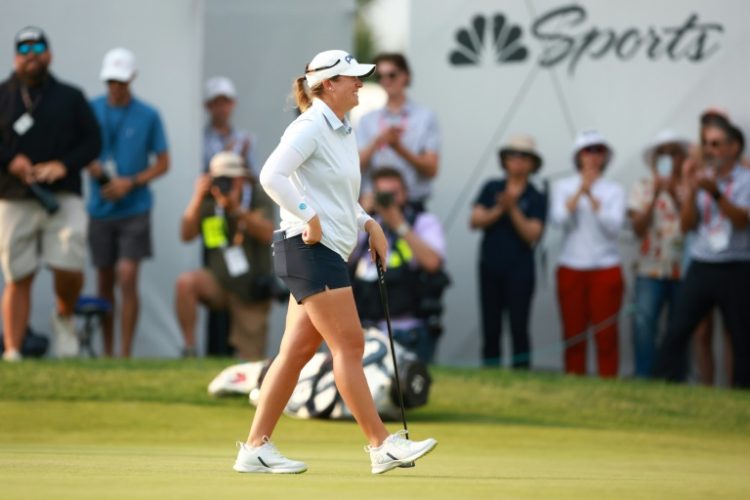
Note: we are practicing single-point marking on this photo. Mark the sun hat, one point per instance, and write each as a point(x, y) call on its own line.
point(664, 137)
point(330, 63)
point(118, 65)
point(521, 143)
point(227, 164)
point(590, 138)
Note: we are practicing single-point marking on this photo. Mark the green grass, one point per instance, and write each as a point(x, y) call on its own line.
point(147, 429)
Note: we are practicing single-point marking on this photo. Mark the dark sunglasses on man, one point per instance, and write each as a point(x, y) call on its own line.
point(36, 48)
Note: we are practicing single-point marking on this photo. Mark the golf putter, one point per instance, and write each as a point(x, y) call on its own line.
point(386, 312)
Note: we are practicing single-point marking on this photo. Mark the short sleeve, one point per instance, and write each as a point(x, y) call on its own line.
point(636, 196)
point(158, 139)
point(538, 207)
point(487, 195)
point(432, 136)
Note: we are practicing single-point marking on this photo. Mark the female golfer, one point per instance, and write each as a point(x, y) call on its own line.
point(314, 176)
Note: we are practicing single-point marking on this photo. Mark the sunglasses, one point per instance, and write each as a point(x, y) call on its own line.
point(324, 67)
point(387, 76)
point(36, 48)
point(713, 144)
point(595, 149)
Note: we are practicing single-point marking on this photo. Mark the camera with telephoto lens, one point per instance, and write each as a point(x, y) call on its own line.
point(224, 184)
point(384, 199)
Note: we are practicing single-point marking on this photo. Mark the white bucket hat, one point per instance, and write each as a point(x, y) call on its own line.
point(522, 143)
point(220, 86)
point(591, 138)
point(118, 65)
point(662, 138)
point(332, 63)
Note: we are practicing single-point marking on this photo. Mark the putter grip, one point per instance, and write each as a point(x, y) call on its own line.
point(45, 198)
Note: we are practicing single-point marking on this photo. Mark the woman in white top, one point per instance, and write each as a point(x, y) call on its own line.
point(591, 211)
point(314, 176)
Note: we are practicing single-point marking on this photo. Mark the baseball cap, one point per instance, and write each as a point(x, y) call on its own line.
point(330, 63)
point(220, 86)
point(227, 164)
point(30, 34)
point(118, 65)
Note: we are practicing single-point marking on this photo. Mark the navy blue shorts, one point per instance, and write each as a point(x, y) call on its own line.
point(307, 269)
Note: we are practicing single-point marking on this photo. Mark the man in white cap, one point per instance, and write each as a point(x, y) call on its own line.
point(134, 153)
point(47, 135)
point(220, 134)
point(237, 275)
point(654, 210)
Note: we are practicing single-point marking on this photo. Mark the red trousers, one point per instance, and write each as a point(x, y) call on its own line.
point(590, 299)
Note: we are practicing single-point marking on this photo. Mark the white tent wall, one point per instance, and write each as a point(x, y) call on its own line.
point(178, 43)
point(629, 98)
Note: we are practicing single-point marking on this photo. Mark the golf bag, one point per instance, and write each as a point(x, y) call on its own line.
point(316, 395)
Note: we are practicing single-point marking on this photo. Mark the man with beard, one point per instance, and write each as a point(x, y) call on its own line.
point(48, 133)
point(718, 209)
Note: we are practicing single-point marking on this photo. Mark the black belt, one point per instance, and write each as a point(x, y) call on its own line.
point(279, 235)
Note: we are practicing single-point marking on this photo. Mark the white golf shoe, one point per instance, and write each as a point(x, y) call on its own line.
point(396, 451)
point(66, 338)
point(265, 459)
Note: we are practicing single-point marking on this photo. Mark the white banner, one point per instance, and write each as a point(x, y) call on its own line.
point(553, 68)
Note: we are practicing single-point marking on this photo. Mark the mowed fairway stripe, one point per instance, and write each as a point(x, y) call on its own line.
point(152, 450)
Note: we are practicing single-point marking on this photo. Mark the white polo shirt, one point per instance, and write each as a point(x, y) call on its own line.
point(315, 170)
point(590, 238)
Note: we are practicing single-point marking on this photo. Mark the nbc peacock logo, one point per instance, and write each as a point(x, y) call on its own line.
point(495, 39)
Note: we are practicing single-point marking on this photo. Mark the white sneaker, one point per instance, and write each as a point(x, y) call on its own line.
point(265, 458)
point(12, 356)
point(66, 338)
point(396, 451)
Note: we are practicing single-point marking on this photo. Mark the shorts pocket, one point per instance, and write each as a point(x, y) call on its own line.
point(279, 258)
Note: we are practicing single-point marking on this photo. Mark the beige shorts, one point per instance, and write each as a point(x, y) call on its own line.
point(29, 235)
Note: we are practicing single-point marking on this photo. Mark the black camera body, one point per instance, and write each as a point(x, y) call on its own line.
point(384, 199)
point(224, 184)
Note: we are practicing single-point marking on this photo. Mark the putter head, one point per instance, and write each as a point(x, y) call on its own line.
point(407, 466)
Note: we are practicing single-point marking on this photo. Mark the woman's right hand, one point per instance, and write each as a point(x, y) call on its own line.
point(313, 232)
point(378, 242)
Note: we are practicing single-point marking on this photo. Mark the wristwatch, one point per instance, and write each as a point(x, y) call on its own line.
point(402, 229)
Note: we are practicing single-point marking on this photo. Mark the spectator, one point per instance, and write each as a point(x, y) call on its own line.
point(120, 201)
point(237, 275)
point(511, 212)
point(47, 135)
point(402, 135)
point(220, 133)
point(653, 208)
point(718, 207)
point(591, 211)
point(416, 247)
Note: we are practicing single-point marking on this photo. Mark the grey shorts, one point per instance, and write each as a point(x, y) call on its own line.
point(113, 239)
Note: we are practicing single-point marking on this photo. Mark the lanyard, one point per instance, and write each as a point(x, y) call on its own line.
point(113, 135)
point(708, 203)
point(239, 232)
point(27, 102)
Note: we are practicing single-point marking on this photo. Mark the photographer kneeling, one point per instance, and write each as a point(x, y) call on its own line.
point(414, 277)
point(238, 275)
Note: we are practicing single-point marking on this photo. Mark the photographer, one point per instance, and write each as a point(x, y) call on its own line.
point(237, 276)
point(47, 135)
point(414, 276)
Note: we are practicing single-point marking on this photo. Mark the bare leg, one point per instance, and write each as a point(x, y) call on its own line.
point(68, 285)
point(191, 289)
point(704, 353)
point(105, 279)
point(300, 342)
point(16, 307)
point(127, 274)
point(334, 315)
